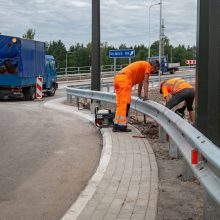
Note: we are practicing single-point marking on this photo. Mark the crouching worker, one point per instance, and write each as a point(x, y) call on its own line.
point(135, 73)
point(176, 90)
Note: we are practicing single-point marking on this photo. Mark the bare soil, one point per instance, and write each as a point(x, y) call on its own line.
point(177, 200)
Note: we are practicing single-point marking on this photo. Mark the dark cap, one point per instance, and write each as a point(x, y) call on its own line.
point(155, 63)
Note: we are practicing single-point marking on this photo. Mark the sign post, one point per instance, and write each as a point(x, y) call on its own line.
point(128, 53)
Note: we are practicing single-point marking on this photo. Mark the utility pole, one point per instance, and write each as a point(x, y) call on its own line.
point(95, 79)
point(159, 75)
point(208, 69)
point(208, 82)
point(149, 28)
point(162, 38)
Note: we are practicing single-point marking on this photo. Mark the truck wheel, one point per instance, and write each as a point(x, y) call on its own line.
point(52, 91)
point(32, 93)
point(172, 71)
point(29, 93)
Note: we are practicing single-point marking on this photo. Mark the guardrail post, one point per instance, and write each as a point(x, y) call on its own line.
point(187, 173)
point(93, 104)
point(69, 99)
point(211, 209)
point(78, 70)
point(162, 135)
point(173, 150)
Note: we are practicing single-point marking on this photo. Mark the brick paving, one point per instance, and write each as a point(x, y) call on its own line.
point(129, 187)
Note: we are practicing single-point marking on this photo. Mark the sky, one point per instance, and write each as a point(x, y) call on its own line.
point(122, 21)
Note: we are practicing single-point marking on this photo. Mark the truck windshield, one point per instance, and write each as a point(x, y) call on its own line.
point(50, 65)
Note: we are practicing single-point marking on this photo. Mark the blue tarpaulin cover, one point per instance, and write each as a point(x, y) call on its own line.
point(27, 55)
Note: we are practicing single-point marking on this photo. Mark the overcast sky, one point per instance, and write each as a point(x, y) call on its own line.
point(122, 21)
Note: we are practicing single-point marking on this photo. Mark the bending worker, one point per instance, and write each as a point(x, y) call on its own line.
point(176, 90)
point(135, 73)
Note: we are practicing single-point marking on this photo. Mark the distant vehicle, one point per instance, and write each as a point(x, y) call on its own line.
point(21, 62)
point(164, 65)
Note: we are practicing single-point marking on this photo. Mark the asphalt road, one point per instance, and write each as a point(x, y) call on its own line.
point(46, 159)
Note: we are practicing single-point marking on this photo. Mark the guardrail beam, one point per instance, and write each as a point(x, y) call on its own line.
point(211, 209)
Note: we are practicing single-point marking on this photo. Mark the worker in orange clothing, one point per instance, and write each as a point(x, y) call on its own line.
point(135, 73)
point(176, 90)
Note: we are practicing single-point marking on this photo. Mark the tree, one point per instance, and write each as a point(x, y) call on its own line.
point(105, 60)
point(30, 34)
point(179, 54)
point(154, 49)
point(58, 50)
point(140, 52)
point(80, 55)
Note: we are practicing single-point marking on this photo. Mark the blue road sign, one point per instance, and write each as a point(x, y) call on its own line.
point(121, 53)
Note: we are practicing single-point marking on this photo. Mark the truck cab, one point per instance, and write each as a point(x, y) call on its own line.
point(164, 65)
point(50, 85)
point(21, 62)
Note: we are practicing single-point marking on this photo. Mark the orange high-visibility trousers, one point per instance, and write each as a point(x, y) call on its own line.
point(123, 88)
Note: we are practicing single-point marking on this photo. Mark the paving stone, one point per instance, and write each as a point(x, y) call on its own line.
point(126, 190)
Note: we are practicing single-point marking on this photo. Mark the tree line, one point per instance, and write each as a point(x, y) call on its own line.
point(80, 54)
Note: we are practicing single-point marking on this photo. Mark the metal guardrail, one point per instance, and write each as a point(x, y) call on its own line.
point(105, 69)
point(152, 82)
point(187, 67)
point(185, 136)
point(87, 69)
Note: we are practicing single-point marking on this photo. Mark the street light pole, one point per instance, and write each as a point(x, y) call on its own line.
point(149, 28)
point(160, 40)
point(171, 54)
point(66, 63)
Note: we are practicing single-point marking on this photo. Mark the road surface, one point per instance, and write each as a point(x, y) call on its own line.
point(46, 159)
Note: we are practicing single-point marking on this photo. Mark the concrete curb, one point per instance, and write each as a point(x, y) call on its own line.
point(88, 192)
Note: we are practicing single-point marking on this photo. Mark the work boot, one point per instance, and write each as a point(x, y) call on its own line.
point(125, 130)
point(118, 129)
point(180, 112)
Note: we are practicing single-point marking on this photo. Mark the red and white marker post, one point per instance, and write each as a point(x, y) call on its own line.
point(39, 87)
point(191, 62)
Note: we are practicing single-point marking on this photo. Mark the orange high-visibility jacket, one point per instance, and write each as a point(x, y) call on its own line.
point(135, 71)
point(131, 75)
point(174, 85)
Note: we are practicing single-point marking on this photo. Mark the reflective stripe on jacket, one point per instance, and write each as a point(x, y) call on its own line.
point(174, 85)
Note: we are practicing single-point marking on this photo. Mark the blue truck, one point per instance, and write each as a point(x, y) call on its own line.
point(165, 66)
point(21, 62)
